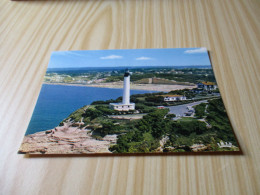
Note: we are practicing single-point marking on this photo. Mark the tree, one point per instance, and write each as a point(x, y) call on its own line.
point(170, 116)
point(92, 113)
point(218, 119)
point(186, 128)
point(155, 123)
point(107, 128)
point(143, 126)
point(200, 110)
point(155, 99)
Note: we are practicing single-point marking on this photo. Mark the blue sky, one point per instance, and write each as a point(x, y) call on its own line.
point(129, 57)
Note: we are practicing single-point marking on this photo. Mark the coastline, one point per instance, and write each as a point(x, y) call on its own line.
point(119, 85)
point(65, 139)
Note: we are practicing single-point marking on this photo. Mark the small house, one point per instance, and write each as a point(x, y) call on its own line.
point(208, 86)
point(171, 98)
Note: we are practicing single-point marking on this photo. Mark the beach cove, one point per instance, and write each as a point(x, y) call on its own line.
point(119, 85)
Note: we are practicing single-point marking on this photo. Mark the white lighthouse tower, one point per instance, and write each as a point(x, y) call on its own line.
point(126, 104)
point(126, 94)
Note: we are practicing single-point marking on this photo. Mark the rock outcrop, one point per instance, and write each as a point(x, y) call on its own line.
point(65, 139)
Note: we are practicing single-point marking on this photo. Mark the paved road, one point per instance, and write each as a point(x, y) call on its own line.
point(181, 109)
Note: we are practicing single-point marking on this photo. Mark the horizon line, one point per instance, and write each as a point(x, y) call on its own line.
point(134, 66)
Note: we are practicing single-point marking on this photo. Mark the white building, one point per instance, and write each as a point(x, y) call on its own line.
point(208, 86)
point(171, 98)
point(126, 105)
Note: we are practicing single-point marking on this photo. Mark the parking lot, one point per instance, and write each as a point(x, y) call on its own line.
point(180, 110)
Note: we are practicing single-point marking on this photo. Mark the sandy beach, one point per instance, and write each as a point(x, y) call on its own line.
point(148, 87)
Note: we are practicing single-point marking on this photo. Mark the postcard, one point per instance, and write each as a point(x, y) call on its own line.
point(130, 102)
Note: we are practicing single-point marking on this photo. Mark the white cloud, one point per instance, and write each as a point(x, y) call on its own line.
point(198, 50)
point(111, 57)
point(143, 58)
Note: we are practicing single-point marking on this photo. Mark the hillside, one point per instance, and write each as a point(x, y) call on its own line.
point(97, 129)
point(161, 81)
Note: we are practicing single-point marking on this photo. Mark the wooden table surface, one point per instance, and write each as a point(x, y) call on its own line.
point(31, 30)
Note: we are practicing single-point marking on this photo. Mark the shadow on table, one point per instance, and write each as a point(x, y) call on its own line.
point(232, 153)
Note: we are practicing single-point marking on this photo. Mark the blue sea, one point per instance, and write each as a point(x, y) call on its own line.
point(57, 102)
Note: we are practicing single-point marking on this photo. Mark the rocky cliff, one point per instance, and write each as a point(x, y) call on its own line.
point(66, 139)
